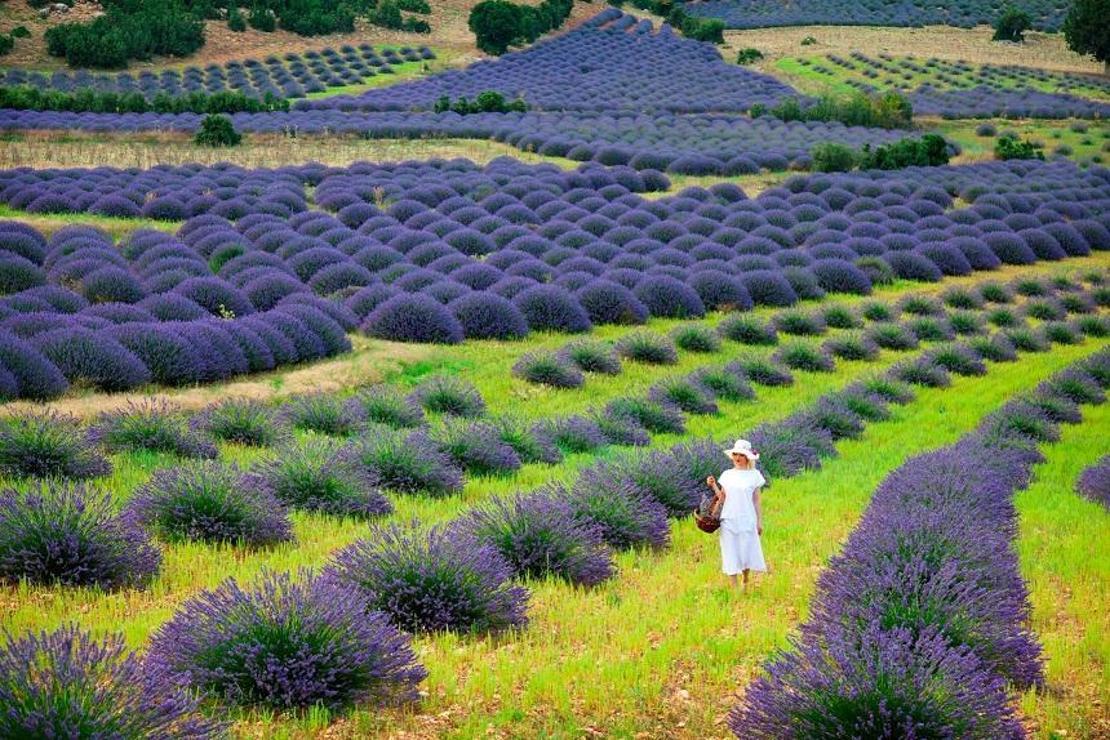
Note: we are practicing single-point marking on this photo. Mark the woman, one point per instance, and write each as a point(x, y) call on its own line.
point(736, 495)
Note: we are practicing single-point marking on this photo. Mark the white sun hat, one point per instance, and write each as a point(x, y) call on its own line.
point(743, 447)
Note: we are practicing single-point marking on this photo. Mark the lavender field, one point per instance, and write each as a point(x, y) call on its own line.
point(410, 448)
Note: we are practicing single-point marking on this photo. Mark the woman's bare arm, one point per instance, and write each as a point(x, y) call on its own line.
point(757, 501)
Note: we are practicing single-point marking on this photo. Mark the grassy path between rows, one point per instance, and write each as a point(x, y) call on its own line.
point(1065, 560)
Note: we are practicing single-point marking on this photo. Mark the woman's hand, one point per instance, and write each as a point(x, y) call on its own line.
point(711, 482)
point(759, 529)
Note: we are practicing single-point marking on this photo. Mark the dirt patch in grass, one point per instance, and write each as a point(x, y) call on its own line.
point(1041, 50)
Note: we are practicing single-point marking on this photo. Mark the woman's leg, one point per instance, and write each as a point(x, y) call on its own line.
point(746, 571)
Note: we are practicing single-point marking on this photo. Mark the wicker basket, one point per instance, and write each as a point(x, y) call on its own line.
point(707, 523)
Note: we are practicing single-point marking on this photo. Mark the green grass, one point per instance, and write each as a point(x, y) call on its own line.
point(1050, 134)
point(1062, 545)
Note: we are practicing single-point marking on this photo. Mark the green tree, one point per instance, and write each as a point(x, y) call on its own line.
point(1087, 30)
point(496, 24)
point(1012, 24)
point(217, 131)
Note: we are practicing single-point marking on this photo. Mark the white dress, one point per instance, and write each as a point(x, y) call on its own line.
point(740, 547)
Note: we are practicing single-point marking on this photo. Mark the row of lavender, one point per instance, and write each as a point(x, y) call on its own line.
point(541, 249)
point(345, 622)
point(1046, 15)
point(694, 144)
point(291, 76)
point(921, 623)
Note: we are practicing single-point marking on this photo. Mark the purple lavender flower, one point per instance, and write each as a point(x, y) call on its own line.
point(432, 581)
point(286, 644)
point(66, 684)
point(65, 534)
point(1094, 482)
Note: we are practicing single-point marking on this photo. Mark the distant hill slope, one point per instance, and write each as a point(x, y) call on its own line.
point(450, 36)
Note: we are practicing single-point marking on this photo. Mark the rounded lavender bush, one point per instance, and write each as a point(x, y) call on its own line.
point(210, 502)
point(64, 534)
point(84, 688)
point(151, 425)
point(316, 475)
point(539, 536)
point(432, 581)
point(48, 445)
point(413, 317)
point(1094, 482)
point(243, 421)
point(407, 463)
point(286, 645)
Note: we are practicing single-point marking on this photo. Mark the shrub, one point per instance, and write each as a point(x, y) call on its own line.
point(1026, 340)
point(606, 302)
point(81, 687)
point(35, 376)
point(128, 31)
point(316, 475)
point(769, 288)
point(64, 534)
point(495, 25)
point(684, 395)
point(959, 360)
point(652, 416)
point(965, 323)
point(384, 404)
point(407, 463)
point(323, 413)
point(1093, 326)
point(1061, 332)
point(800, 324)
point(667, 297)
point(209, 502)
point(591, 357)
point(931, 150)
point(217, 130)
point(830, 156)
point(748, 56)
point(934, 686)
point(484, 315)
point(477, 447)
point(432, 581)
point(86, 356)
point(840, 317)
point(572, 434)
point(539, 535)
point(840, 276)
point(48, 445)
point(620, 430)
point(728, 383)
point(1085, 29)
point(242, 421)
point(763, 372)
point(413, 317)
point(995, 293)
point(800, 356)
point(449, 394)
point(879, 312)
point(1009, 146)
point(962, 298)
point(694, 338)
point(286, 645)
point(1094, 482)
point(889, 390)
point(551, 308)
point(929, 329)
point(529, 447)
point(924, 373)
point(1011, 24)
point(647, 347)
point(548, 368)
point(893, 336)
point(996, 348)
point(852, 348)
point(152, 425)
point(1076, 386)
point(748, 330)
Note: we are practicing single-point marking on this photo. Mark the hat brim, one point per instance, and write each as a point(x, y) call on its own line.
point(753, 456)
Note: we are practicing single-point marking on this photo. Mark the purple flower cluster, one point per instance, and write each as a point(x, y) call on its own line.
point(285, 645)
point(992, 102)
point(63, 534)
point(432, 581)
point(66, 684)
point(1046, 15)
point(921, 621)
point(290, 76)
point(609, 62)
point(1094, 482)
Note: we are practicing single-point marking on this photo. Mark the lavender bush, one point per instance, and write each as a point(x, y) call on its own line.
point(286, 645)
point(48, 445)
point(432, 581)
